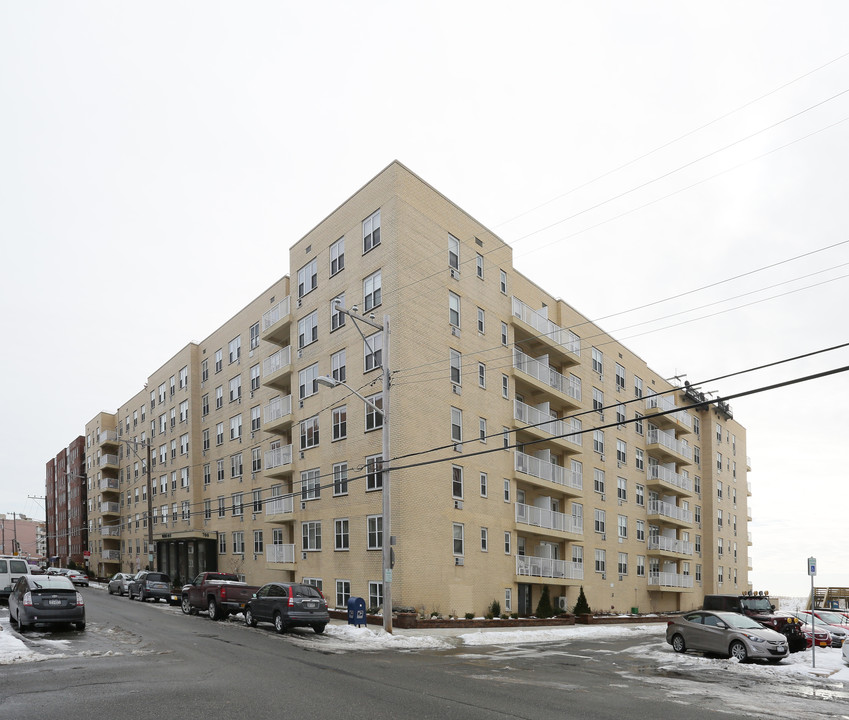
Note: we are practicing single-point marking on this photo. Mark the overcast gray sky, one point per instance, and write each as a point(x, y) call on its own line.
point(141, 144)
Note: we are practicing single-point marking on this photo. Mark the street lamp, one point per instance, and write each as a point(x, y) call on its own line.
point(384, 412)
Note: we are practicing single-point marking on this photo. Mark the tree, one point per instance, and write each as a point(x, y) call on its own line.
point(582, 607)
point(544, 609)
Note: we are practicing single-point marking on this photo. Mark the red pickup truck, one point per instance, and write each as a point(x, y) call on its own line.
point(221, 594)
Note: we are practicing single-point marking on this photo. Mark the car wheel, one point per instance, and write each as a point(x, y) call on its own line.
point(738, 651)
point(279, 625)
point(186, 606)
point(319, 628)
point(250, 620)
point(213, 610)
point(141, 595)
point(109, 589)
point(678, 644)
point(80, 625)
point(22, 626)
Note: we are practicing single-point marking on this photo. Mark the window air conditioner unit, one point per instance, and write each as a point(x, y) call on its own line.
point(562, 603)
point(303, 556)
point(458, 504)
point(458, 561)
point(604, 536)
point(455, 331)
point(602, 457)
point(456, 389)
point(604, 576)
point(621, 578)
point(603, 497)
point(303, 506)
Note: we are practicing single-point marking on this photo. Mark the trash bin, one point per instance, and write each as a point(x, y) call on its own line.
point(635, 611)
point(356, 611)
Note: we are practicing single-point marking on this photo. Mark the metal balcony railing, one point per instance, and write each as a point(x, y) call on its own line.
point(278, 457)
point(660, 542)
point(659, 507)
point(280, 553)
point(570, 386)
point(278, 408)
point(670, 477)
point(282, 358)
point(544, 470)
point(565, 338)
point(548, 519)
point(275, 314)
point(531, 566)
point(280, 505)
point(668, 579)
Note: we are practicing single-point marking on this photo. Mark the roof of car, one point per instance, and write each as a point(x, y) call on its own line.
point(49, 581)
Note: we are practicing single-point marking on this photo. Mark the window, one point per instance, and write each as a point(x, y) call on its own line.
point(598, 401)
point(505, 387)
point(236, 465)
point(374, 419)
point(599, 521)
point(484, 540)
point(479, 265)
point(638, 387)
point(482, 430)
point(622, 526)
point(505, 437)
point(337, 316)
point(337, 366)
point(371, 231)
point(481, 375)
point(697, 455)
point(173, 417)
point(578, 555)
point(621, 489)
point(308, 329)
point(456, 425)
point(639, 459)
point(623, 563)
point(372, 291)
point(205, 439)
point(506, 490)
point(238, 507)
point(598, 480)
point(186, 510)
point(341, 534)
point(343, 593)
point(620, 377)
point(172, 385)
point(204, 406)
point(719, 489)
point(503, 282)
point(222, 543)
point(340, 479)
point(506, 543)
point(207, 511)
point(257, 501)
point(374, 472)
point(308, 278)
point(598, 441)
point(641, 565)
point(254, 377)
point(697, 514)
point(640, 494)
point(483, 484)
point(597, 361)
point(235, 349)
point(337, 256)
point(311, 536)
point(638, 423)
point(219, 433)
point(310, 484)
point(184, 444)
point(236, 427)
point(456, 482)
point(308, 381)
point(719, 461)
point(207, 474)
point(374, 528)
point(459, 539)
point(621, 451)
point(256, 418)
point(254, 336)
point(373, 352)
point(340, 423)
point(641, 530)
point(219, 397)
point(600, 561)
point(236, 388)
point(204, 374)
point(258, 543)
point(697, 485)
point(454, 309)
point(454, 365)
point(453, 253)
point(698, 573)
point(222, 507)
point(504, 337)
point(375, 594)
point(481, 321)
point(309, 432)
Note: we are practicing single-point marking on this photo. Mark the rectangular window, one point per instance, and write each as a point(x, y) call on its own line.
point(621, 489)
point(219, 360)
point(236, 427)
point(374, 419)
point(639, 459)
point(337, 316)
point(482, 430)
point(622, 526)
point(481, 321)
point(341, 534)
point(506, 543)
point(222, 543)
point(598, 402)
point(256, 418)
point(256, 460)
point(506, 490)
point(371, 231)
point(505, 387)
point(256, 498)
point(343, 593)
point(204, 405)
point(454, 309)
point(598, 441)
point(597, 361)
point(337, 256)
point(623, 563)
point(638, 387)
point(620, 414)
point(235, 349)
point(598, 480)
point(238, 506)
point(504, 336)
point(184, 477)
point(308, 278)
point(641, 530)
point(374, 472)
point(311, 536)
point(236, 388)
point(641, 565)
point(204, 373)
point(308, 381)
point(337, 366)
point(236, 465)
point(621, 451)
point(640, 494)
point(207, 474)
point(220, 469)
point(309, 432)
point(372, 291)
point(255, 377)
point(484, 540)
point(483, 484)
point(373, 352)
point(310, 484)
point(459, 539)
point(308, 329)
point(258, 542)
point(620, 377)
point(453, 252)
point(638, 423)
point(219, 397)
point(374, 529)
point(600, 561)
point(456, 425)
point(340, 423)
point(205, 439)
point(454, 366)
point(456, 482)
point(340, 479)
point(479, 265)
point(481, 375)
point(254, 336)
point(207, 511)
point(600, 523)
point(503, 282)
point(375, 594)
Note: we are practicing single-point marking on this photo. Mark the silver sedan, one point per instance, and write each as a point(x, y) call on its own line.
point(118, 584)
point(726, 633)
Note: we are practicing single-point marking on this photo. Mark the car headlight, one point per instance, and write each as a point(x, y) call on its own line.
point(753, 638)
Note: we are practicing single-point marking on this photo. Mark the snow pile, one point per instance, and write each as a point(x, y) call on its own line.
point(367, 639)
point(562, 634)
point(13, 649)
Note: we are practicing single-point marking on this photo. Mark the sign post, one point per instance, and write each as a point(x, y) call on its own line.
point(812, 571)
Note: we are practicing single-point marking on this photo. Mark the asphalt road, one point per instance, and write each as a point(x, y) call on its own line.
point(139, 661)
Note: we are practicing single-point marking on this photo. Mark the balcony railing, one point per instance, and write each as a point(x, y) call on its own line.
point(114, 555)
point(277, 313)
point(570, 386)
point(279, 407)
point(667, 440)
point(749, 537)
point(280, 553)
point(549, 519)
point(280, 505)
point(108, 460)
point(544, 470)
point(282, 358)
point(532, 416)
point(109, 507)
point(565, 338)
point(666, 404)
point(531, 566)
point(668, 579)
point(658, 507)
point(110, 436)
point(110, 530)
point(278, 457)
point(670, 477)
point(109, 484)
point(660, 542)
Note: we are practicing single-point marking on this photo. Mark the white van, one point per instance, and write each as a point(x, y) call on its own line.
point(11, 568)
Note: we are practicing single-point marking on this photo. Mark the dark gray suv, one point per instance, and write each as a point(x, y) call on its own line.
point(288, 605)
point(148, 585)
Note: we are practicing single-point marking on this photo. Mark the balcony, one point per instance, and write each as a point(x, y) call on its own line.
point(748, 463)
point(748, 488)
point(545, 474)
point(670, 581)
point(108, 462)
point(110, 530)
point(748, 538)
point(280, 509)
point(549, 522)
point(664, 445)
point(109, 485)
point(110, 508)
point(277, 415)
point(544, 427)
point(276, 322)
point(108, 437)
point(111, 555)
point(537, 330)
point(277, 369)
point(749, 563)
point(548, 570)
point(664, 480)
point(666, 546)
point(278, 461)
point(671, 416)
point(282, 557)
point(547, 379)
point(669, 514)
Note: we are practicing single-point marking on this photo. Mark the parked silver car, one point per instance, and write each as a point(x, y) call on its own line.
point(726, 633)
point(119, 583)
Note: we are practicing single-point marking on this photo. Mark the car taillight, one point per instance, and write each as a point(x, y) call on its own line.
point(291, 598)
point(669, 622)
point(79, 600)
point(28, 599)
point(324, 599)
point(223, 593)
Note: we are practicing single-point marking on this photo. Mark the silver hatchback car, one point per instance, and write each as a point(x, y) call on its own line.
point(726, 633)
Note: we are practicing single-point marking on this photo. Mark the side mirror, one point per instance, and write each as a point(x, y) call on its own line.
point(773, 607)
point(253, 597)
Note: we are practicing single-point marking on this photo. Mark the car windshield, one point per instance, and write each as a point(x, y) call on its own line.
point(741, 622)
point(157, 577)
point(756, 604)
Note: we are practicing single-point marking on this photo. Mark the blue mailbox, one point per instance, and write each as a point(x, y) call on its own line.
point(356, 611)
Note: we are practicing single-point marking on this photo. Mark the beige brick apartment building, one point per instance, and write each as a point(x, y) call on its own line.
point(560, 457)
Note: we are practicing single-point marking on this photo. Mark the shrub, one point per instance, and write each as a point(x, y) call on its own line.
point(544, 609)
point(494, 608)
point(470, 616)
point(582, 607)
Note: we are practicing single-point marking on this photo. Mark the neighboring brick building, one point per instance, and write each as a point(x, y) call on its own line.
point(67, 519)
point(567, 460)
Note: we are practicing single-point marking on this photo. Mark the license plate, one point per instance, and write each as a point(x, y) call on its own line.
point(54, 602)
point(310, 605)
point(780, 648)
